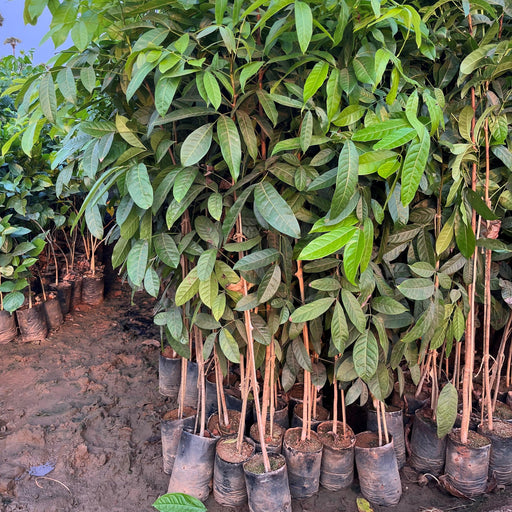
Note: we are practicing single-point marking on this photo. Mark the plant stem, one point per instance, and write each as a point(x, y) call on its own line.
point(335, 402)
point(200, 377)
point(384, 422)
point(379, 425)
point(244, 388)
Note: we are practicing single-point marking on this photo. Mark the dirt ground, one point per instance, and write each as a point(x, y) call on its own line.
point(86, 401)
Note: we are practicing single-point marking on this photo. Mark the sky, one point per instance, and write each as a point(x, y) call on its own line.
point(12, 11)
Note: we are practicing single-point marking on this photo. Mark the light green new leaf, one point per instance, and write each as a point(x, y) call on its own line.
point(187, 288)
point(312, 310)
point(208, 290)
point(229, 142)
point(446, 411)
point(353, 254)
point(166, 250)
point(248, 71)
point(303, 24)
point(139, 186)
point(327, 244)
point(366, 356)
point(339, 328)
point(177, 502)
point(127, 133)
point(137, 261)
point(445, 237)
point(414, 166)
point(315, 79)
point(229, 346)
point(349, 115)
point(88, 78)
point(196, 145)
point(257, 260)
point(275, 210)
point(48, 98)
point(212, 89)
point(418, 288)
point(206, 263)
point(346, 178)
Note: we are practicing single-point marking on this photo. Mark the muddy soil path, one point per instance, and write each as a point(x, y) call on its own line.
point(86, 401)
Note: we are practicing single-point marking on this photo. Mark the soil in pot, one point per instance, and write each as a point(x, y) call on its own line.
point(395, 425)
point(303, 459)
point(467, 464)
point(63, 291)
point(322, 414)
point(193, 465)
point(377, 468)
point(337, 469)
point(502, 412)
point(93, 287)
point(274, 442)
point(169, 373)
point(500, 462)
point(8, 327)
point(32, 323)
point(234, 402)
point(267, 492)
point(53, 311)
point(228, 474)
point(218, 430)
point(427, 450)
point(171, 426)
point(295, 396)
point(281, 416)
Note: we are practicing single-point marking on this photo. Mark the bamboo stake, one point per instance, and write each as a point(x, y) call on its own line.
point(384, 422)
point(335, 404)
point(200, 378)
point(244, 388)
point(379, 425)
point(344, 413)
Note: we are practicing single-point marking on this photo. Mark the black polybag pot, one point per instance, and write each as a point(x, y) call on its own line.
point(500, 462)
point(303, 466)
point(281, 415)
point(92, 290)
point(8, 327)
point(229, 487)
point(193, 465)
point(322, 415)
point(63, 291)
point(267, 492)
point(377, 468)
point(171, 434)
point(337, 469)
point(467, 465)
point(53, 312)
point(191, 390)
point(427, 450)
point(32, 323)
point(395, 426)
point(76, 291)
point(169, 375)
point(273, 445)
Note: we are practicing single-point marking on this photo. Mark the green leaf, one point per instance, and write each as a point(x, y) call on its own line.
point(268, 105)
point(312, 310)
point(417, 288)
point(196, 145)
point(152, 282)
point(257, 260)
point(349, 115)
point(479, 205)
point(464, 237)
point(445, 237)
point(187, 288)
point(183, 181)
point(164, 93)
point(177, 502)
point(388, 306)
point(366, 356)
point(215, 206)
point(414, 166)
point(446, 411)
point(212, 89)
point(339, 328)
point(248, 133)
point(346, 178)
point(94, 221)
point(137, 261)
point(315, 79)
point(306, 131)
point(275, 210)
point(303, 24)
point(269, 284)
point(234, 211)
point(397, 138)
point(301, 355)
point(229, 142)
point(243, 246)
point(219, 306)
point(229, 346)
point(326, 284)
point(352, 255)
point(380, 130)
point(13, 300)
point(327, 244)
point(260, 331)
point(139, 186)
point(175, 322)
point(166, 250)
point(333, 90)
point(88, 78)
point(208, 290)
point(353, 310)
point(381, 384)
point(248, 71)
point(66, 83)
point(48, 98)
point(206, 263)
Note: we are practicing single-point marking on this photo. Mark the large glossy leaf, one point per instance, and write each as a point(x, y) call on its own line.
point(366, 356)
point(94, 221)
point(303, 24)
point(229, 142)
point(388, 306)
point(183, 181)
point(353, 254)
point(414, 166)
point(354, 311)
point(229, 346)
point(139, 186)
point(346, 178)
point(137, 261)
point(380, 130)
point(205, 264)
point(196, 145)
point(417, 288)
point(464, 237)
point(275, 210)
point(13, 301)
point(166, 250)
point(257, 260)
point(381, 384)
point(339, 328)
point(48, 98)
point(248, 133)
point(208, 290)
point(315, 79)
point(301, 355)
point(327, 244)
point(177, 502)
point(187, 288)
point(446, 411)
point(312, 310)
